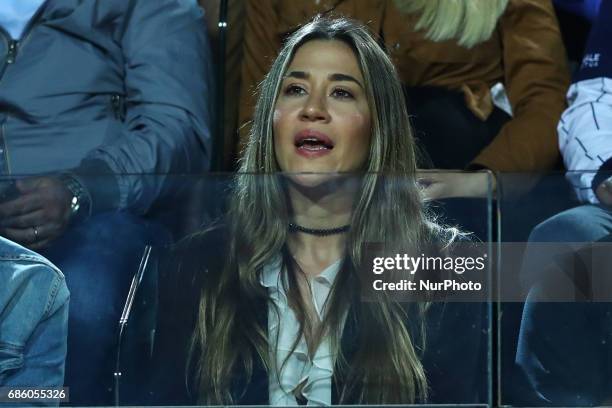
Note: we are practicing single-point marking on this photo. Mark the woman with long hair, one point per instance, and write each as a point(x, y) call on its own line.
point(271, 300)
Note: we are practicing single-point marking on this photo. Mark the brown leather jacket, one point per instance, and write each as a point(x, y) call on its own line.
point(525, 53)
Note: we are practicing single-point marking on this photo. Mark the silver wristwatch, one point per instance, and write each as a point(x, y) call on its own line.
point(80, 204)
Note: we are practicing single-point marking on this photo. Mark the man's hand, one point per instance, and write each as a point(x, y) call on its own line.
point(39, 214)
point(604, 192)
point(438, 185)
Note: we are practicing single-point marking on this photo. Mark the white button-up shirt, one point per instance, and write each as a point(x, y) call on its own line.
point(15, 15)
point(316, 372)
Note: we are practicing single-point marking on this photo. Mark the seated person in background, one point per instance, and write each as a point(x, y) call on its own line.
point(266, 308)
point(585, 139)
point(33, 319)
point(494, 70)
point(95, 94)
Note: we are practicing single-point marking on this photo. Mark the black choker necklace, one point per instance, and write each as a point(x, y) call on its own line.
point(319, 232)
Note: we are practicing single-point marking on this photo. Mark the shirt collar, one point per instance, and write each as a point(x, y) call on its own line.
point(329, 274)
point(270, 277)
point(16, 14)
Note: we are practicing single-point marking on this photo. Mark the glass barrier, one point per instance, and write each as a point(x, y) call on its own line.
point(225, 21)
point(200, 269)
point(546, 279)
point(392, 294)
point(555, 292)
point(164, 359)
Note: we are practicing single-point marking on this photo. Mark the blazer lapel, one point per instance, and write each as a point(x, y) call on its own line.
point(256, 392)
point(349, 345)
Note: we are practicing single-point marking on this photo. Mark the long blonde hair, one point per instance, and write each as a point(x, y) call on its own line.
point(469, 22)
point(387, 210)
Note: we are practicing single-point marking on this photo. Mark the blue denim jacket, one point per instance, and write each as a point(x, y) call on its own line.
point(33, 319)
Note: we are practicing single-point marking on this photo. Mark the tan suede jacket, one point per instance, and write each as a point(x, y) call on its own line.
point(525, 53)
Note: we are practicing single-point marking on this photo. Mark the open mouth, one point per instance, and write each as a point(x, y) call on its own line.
point(312, 143)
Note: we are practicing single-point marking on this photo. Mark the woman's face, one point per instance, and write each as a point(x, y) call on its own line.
point(322, 117)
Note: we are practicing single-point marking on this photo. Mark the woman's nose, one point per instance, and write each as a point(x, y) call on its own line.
point(315, 109)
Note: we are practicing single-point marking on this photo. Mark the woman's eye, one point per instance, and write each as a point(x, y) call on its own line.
point(342, 94)
point(294, 90)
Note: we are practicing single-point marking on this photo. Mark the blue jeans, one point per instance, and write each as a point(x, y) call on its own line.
point(99, 258)
point(564, 347)
point(571, 229)
point(587, 223)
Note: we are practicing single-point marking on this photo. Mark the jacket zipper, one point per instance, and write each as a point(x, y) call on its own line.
point(116, 106)
point(15, 45)
point(9, 59)
point(6, 167)
point(11, 52)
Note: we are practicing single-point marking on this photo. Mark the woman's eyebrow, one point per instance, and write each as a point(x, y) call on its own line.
point(298, 75)
point(332, 77)
point(344, 77)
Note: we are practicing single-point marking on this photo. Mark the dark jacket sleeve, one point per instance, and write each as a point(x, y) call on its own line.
point(168, 92)
point(456, 352)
